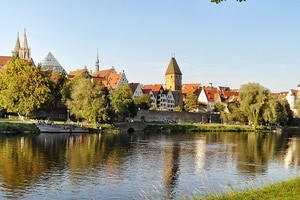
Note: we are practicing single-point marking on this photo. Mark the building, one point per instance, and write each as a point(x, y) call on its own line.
point(157, 95)
point(208, 97)
point(4, 60)
point(136, 90)
point(22, 51)
point(50, 63)
point(173, 78)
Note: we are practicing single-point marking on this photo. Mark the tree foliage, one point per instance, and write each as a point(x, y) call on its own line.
point(234, 114)
point(143, 102)
point(66, 90)
point(253, 100)
point(89, 101)
point(297, 106)
point(23, 88)
point(122, 102)
point(219, 107)
point(190, 103)
point(278, 111)
point(57, 82)
point(219, 1)
point(260, 106)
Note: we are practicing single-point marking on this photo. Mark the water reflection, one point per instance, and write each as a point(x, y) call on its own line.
point(120, 166)
point(171, 167)
point(291, 159)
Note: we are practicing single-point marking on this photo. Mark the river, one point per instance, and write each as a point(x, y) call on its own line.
point(141, 166)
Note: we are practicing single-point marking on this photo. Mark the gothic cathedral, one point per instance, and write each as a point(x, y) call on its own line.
point(23, 52)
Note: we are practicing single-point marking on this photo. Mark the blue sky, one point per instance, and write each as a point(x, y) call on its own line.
point(228, 44)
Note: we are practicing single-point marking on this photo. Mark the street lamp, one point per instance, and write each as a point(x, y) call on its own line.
point(68, 115)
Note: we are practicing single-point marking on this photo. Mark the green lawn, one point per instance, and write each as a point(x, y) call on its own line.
point(17, 126)
point(286, 190)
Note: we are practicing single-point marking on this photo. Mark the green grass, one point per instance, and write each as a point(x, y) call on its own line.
point(189, 127)
point(16, 126)
point(286, 190)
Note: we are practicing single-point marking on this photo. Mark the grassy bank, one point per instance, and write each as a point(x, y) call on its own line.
point(16, 127)
point(188, 127)
point(283, 190)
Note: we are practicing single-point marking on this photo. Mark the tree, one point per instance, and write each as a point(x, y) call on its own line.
point(235, 114)
point(57, 82)
point(219, 107)
point(253, 100)
point(23, 88)
point(122, 103)
point(278, 111)
point(89, 101)
point(297, 107)
point(219, 1)
point(191, 101)
point(143, 102)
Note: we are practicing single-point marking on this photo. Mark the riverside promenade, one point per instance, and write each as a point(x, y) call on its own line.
point(60, 128)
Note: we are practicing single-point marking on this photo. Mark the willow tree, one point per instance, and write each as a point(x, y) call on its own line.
point(23, 88)
point(277, 112)
point(253, 100)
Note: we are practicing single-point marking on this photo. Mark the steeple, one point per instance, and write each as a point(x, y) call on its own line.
point(25, 44)
point(97, 63)
point(15, 52)
point(173, 76)
point(24, 50)
point(173, 67)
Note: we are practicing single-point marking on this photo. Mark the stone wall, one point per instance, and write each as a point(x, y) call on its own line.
point(171, 116)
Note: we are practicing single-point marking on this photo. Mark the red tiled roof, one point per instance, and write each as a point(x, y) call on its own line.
point(98, 79)
point(133, 86)
point(154, 88)
point(282, 95)
point(194, 88)
point(4, 60)
point(113, 80)
point(211, 93)
point(105, 73)
point(146, 91)
point(228, 95)
point(83, 72)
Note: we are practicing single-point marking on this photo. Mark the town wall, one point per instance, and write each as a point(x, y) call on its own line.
point(178, 117)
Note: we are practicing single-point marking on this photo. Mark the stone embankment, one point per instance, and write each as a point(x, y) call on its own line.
point(177, 117)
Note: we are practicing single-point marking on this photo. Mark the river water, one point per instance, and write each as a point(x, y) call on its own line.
point(141, 166)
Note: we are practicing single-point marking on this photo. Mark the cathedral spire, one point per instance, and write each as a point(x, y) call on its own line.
point(97, 63)
point(25, 44)
point(24, 51)
point(15, 52)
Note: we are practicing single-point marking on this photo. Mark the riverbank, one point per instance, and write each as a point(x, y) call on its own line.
point(198, 127)
point(282, 190)
point(8, 126)
point(17, 127)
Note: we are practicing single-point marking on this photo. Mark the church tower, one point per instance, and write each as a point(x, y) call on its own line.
point(23, 51)
point(173, 77)
point(17, 47)
point(97, 63)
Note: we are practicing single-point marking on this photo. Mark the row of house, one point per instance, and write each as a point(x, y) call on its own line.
point(164, 96)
